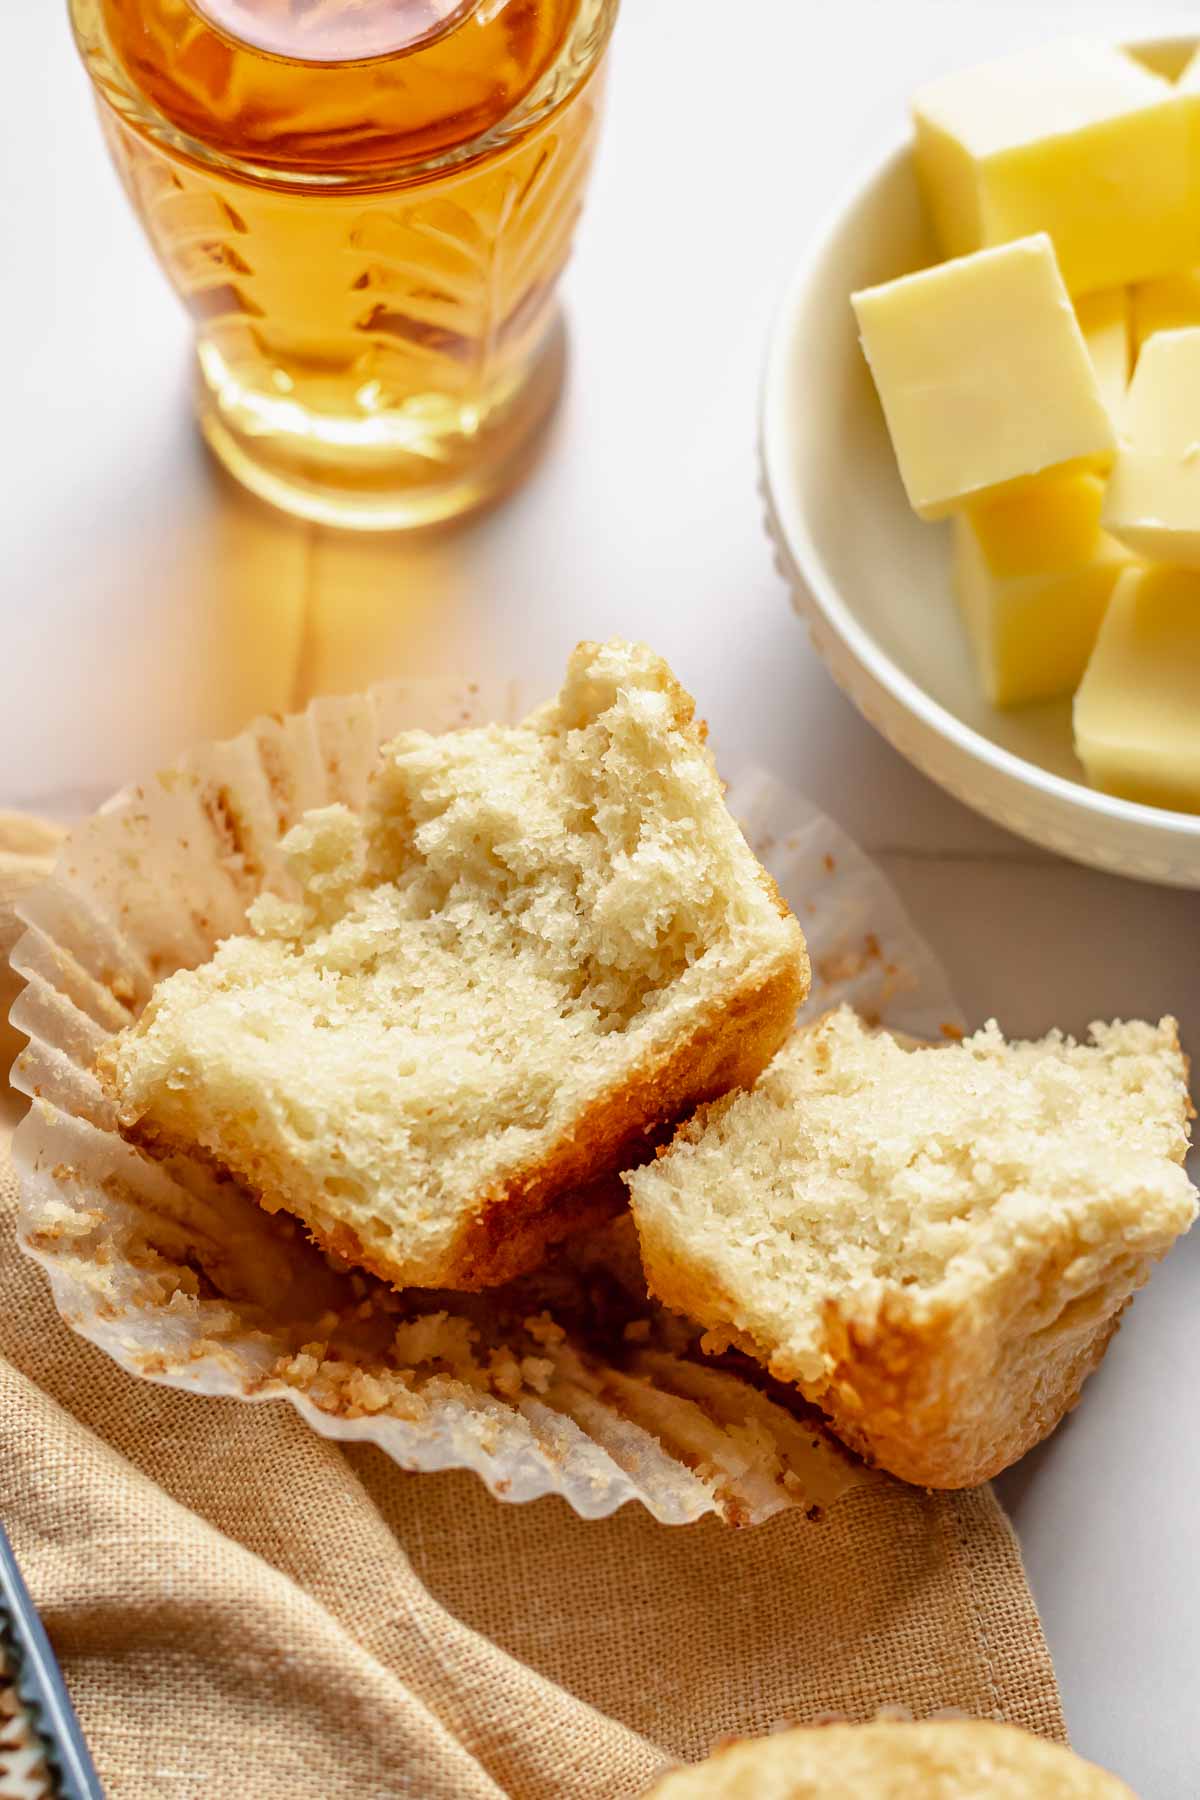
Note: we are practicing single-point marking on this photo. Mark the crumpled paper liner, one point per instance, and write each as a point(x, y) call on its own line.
point(28, 849)
point(570, 1381)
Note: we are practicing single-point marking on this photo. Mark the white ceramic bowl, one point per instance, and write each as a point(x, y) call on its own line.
point(873, 581)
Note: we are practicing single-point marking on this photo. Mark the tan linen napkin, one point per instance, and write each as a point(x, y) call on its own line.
point(244, 1608)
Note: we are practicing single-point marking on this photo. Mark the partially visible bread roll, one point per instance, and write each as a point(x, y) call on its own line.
point(934, 1244)
point(543, 944)
point(938, 1760)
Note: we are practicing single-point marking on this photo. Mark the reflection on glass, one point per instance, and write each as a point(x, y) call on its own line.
point(369, 248)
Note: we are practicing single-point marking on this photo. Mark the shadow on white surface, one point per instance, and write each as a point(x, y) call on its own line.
point(1105, 1510)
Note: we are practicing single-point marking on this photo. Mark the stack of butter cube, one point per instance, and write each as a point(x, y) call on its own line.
point(1042, 389)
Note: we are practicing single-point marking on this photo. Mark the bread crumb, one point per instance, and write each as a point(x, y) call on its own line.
point(435, 1337)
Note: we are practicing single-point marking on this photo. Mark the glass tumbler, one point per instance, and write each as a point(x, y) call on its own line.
point(365, 206)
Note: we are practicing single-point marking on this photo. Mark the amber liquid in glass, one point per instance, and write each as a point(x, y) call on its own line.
point(365, 205)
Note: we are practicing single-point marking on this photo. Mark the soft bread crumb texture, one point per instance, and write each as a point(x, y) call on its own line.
point(960, 1759)
point(934, 1243)
point(540, 945)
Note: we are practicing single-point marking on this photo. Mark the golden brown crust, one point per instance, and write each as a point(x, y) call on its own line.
point(890, 1400)
point(729, 1050)
point(511, 1229)
point(946, 1401)
point(581, 1209)
point(944, 1759)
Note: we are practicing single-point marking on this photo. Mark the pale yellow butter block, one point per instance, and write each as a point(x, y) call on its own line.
point(1076, 139)
point(1137, 712)
point(1033, 573)
point(1104, 320)
point(983, 374)
point(1170, 304)
point(1153, 500)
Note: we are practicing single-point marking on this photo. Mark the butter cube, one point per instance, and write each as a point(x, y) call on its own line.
point(1153, 501)
point(1104, 320)
point(983, 374)
point(1076, 139)
point(1033, 573)
point(1170, 304)
point(1137, 712)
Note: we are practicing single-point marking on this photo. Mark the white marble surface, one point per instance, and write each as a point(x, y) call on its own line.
point(144, 605)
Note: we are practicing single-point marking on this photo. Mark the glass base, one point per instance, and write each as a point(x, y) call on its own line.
point(388, 472)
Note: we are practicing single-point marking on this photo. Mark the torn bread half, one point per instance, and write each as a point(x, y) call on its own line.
point(934, 1244)
point(540, 946)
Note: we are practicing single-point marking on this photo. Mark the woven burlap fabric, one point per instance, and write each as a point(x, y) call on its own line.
point(242, 1608)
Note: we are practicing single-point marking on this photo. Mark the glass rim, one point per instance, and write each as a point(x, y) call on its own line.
point(458, 11)
point(577, 60)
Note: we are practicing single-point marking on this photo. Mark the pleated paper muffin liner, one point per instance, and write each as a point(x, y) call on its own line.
point(568, 1382)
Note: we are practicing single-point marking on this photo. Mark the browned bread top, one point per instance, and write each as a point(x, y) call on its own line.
point(935, 1760)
